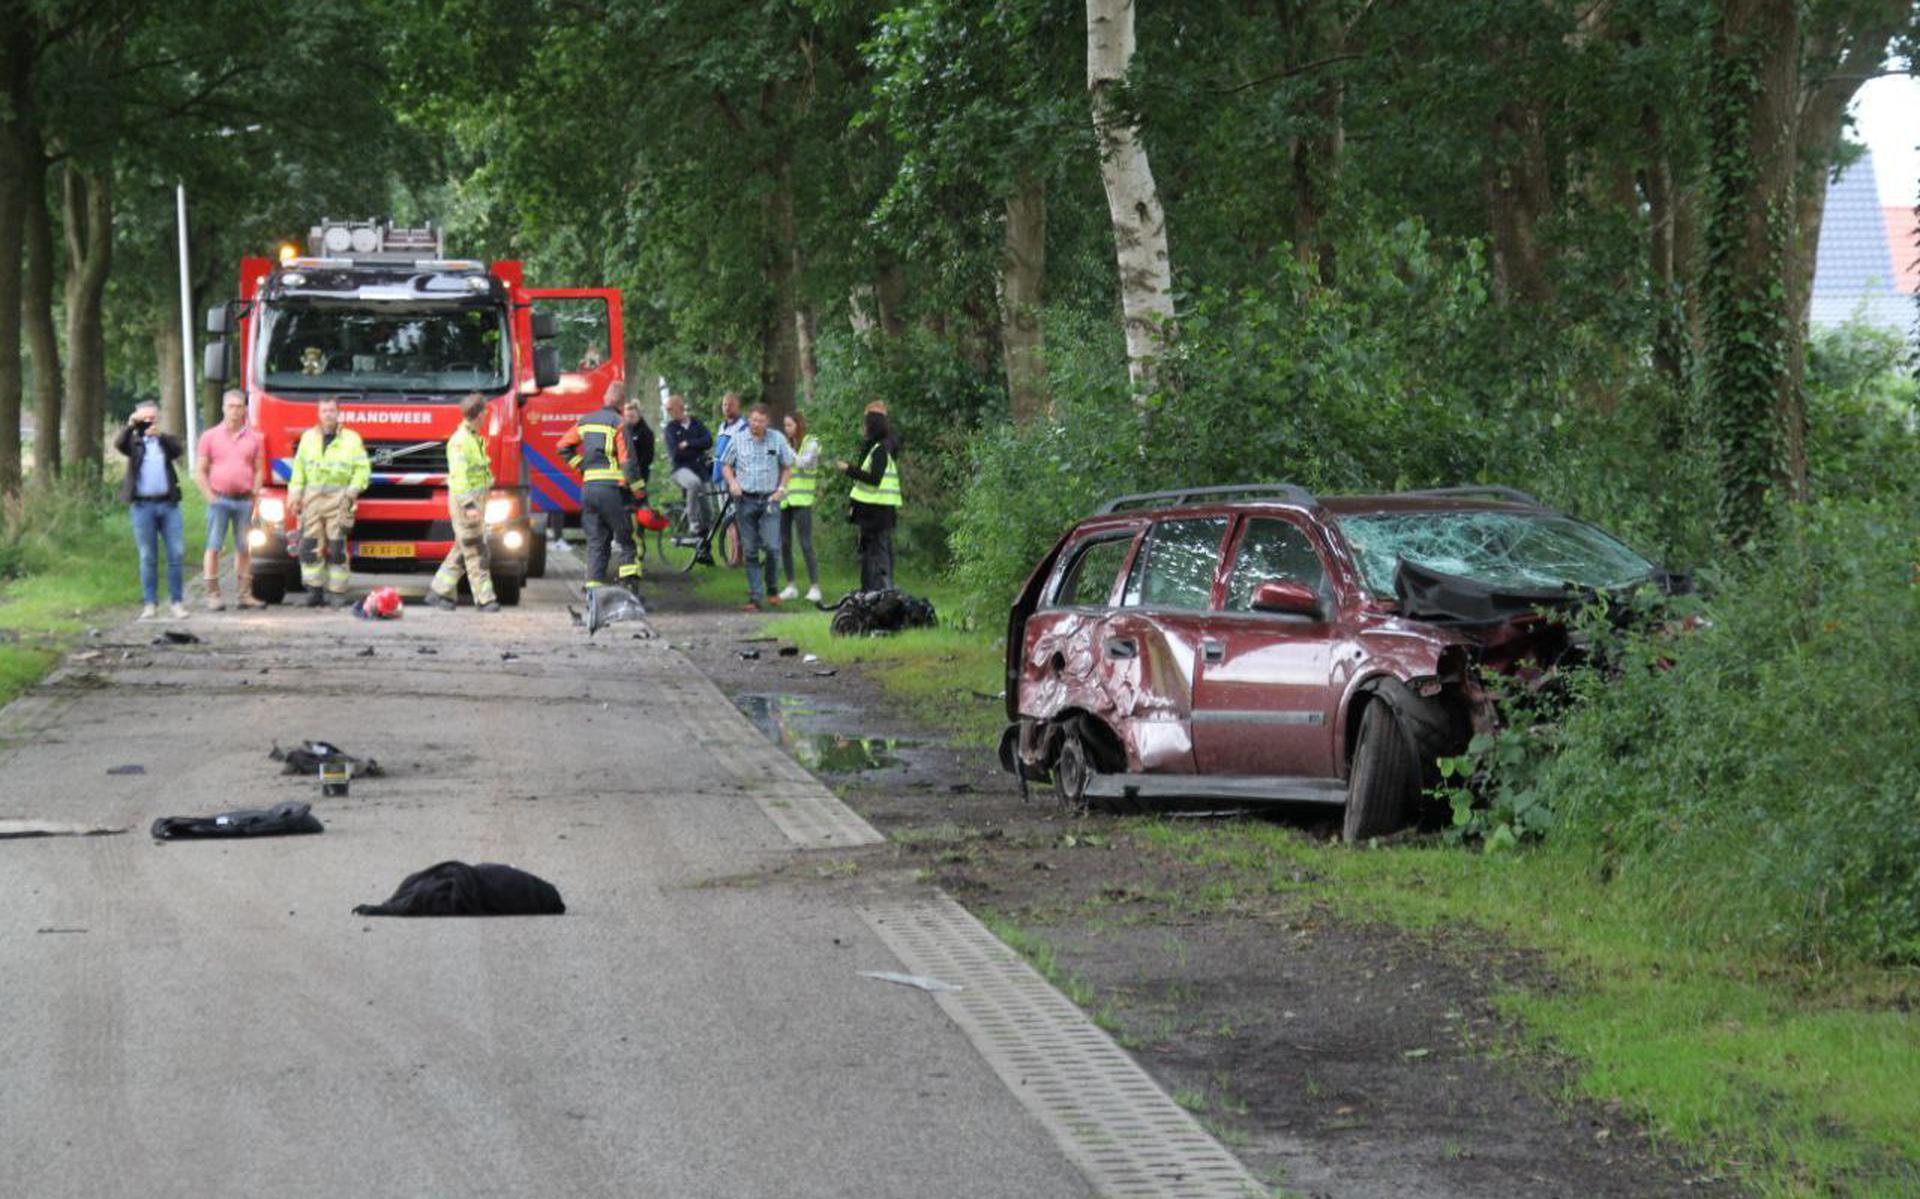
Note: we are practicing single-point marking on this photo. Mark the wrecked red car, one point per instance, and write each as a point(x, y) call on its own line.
point(1260, 643)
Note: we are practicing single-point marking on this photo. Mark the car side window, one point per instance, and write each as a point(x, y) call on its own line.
point(1088, 581)
point(1175, 567)
point(1272, 549)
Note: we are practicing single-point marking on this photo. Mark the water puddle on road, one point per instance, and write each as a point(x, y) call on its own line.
point(795, 723)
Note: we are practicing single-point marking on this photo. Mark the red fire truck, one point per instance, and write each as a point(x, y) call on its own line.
point(376, 316)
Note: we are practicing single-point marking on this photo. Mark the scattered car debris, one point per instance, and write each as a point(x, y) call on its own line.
point(508, 655)
point(306, 758)
point(612, 605)
point(426, 649)
point(749, 655)
point(175, 637)
point(60, 930)
point(911, 980)
point(11, 829)
point(131, 768)
point(281, 820)
point(458, 889)
point(757, 640)
point(88, 655)
point(573, 614)
point(365, 653)
point(865, 613)
point(825, 674)
point(810, 658)
point(789, 651)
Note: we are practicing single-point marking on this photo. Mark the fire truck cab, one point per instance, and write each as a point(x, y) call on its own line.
point(378, 318)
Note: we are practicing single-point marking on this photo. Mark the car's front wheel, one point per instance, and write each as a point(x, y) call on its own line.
point(1385, 780)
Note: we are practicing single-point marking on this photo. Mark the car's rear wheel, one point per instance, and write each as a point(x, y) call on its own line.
point(1385, 780)
point(1072, 770)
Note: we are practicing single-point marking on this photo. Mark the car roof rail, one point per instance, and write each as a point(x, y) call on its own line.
point(1497, 490)
point(1290, 492)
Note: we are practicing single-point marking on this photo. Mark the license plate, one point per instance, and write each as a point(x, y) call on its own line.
point(385, 549)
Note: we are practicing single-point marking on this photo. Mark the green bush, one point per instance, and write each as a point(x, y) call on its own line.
point(1759, 776)
point(47, 524)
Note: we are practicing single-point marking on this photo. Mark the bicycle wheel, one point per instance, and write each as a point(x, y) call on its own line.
point(673, 545)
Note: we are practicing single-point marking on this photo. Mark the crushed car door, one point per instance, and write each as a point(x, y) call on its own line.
point(1263, 700)
point(592, 356)
point(1149, 646)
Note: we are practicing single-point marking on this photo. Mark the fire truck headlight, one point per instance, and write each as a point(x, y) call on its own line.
point(498, 511)
point(256, 539)
point(513, 540)
point(273, 510)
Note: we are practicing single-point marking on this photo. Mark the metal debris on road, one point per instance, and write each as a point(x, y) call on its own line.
point(749, 655)
point(365, 653)
point(508, 656)
point(789, 651)
point(133, 768)
point(11, 829)
point(175, 637)
point(811, 658)
point(911, 980)
point(306, 758)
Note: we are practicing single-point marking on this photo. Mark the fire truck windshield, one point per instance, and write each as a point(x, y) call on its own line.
point(347, 347)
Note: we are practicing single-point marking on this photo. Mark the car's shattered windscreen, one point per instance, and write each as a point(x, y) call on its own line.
point(1519, 551)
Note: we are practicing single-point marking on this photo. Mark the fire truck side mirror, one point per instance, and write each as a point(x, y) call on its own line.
point(546, 367)
point(214, 362)
point(217, 321)
point(545, 326)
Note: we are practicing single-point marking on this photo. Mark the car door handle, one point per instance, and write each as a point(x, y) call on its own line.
point(1211, 650)
point(1122, 647)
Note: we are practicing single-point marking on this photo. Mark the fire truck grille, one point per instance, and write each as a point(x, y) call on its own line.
point(402, 530)
point(420, 457)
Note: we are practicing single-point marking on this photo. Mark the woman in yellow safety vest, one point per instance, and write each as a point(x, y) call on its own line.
point(796, 511)
point(876, 498)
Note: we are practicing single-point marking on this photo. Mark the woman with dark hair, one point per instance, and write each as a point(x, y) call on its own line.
point(876, 498)
point(796, 511)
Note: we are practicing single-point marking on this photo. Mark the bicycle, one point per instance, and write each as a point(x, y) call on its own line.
point(681, 549)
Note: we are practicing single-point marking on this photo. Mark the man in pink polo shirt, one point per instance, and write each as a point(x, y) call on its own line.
point(231, 468)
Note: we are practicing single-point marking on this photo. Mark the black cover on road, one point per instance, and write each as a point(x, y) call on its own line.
point(280, 821)
point(457, 889)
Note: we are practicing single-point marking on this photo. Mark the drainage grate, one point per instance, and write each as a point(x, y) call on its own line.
point(1108, 1114)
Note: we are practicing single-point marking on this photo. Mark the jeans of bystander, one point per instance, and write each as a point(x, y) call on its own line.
point(759, 536)
point(156, 522)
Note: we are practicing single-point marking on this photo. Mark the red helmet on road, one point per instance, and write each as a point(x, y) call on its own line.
point(382, 603)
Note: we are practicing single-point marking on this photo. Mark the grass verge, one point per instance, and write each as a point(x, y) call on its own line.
point(1794, 1082)
point(69, 560)
point(945, 677)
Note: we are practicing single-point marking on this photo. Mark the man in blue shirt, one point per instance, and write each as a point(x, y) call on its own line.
point(151, 491)
point(756, 465)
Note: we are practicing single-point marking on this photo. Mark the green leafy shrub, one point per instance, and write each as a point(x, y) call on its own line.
point(45, 524)
point(1759, 777)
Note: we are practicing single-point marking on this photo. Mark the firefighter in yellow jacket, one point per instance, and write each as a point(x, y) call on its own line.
point(469, 479)
point(330, 470)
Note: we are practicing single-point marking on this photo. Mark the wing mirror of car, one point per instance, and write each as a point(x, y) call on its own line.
point(1285, 596)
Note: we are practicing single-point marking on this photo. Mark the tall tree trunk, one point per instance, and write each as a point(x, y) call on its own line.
point(805, 329)
point(1318, 35)
point(1133, 201)
point(1664, 269)
point(779, 332)
point(890, 296)
point(1519, 193)
point(1754, 86)
point(43, 342)
point(16, 52)
point(88, 212)
point(1023, 275)
point(167, 353)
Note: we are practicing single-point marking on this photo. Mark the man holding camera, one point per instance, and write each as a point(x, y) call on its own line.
point(330, 470)
point(152, 494)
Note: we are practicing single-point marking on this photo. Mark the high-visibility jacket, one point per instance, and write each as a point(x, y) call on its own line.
point(321, 466)
point(469, 473)
point(887, 493)
point(803, 483)
point(597, 448)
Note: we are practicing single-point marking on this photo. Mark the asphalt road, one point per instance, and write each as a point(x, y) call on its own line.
point(208, 1019)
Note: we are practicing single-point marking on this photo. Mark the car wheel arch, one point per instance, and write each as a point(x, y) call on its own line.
point(1438, 724)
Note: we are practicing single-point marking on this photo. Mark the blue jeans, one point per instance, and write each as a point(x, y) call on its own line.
point(759, 534)
point(223, 515)
point(153, 521)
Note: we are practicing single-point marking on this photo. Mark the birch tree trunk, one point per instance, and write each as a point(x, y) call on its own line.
point(779, 330)
point(1023, 269)
point(1133, 202)
point(88, 212)
point(43, 342)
